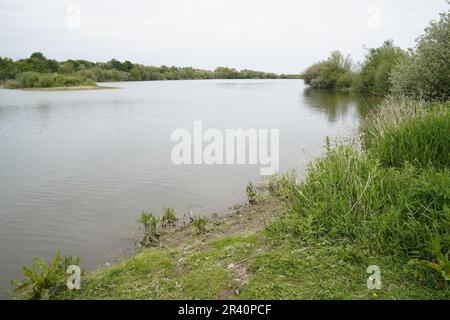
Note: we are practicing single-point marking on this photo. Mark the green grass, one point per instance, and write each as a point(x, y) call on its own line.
point(252, 266)
point(348, 195)
point(407, 131)
point(185, 273)
point(331, 271)
point(423, 141)
point(393, 197)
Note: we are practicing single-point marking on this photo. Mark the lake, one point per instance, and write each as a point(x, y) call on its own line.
point(77, 167)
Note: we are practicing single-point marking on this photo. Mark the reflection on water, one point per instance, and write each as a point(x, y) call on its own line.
point(77, 167)
point(337, 104)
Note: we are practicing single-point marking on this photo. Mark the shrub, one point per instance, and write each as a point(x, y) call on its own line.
point(11, 84)
point(313, 73)
point(33, 79)
point(169, 217)
point(333, 73)
point(345, 80)
point(46, 80)
point(440, 262)
point(86, 75)
point(8, 69)
point(200, 224)
point(251, 193)
point(67, 81)
point(282, 185)
point(28, 79)
point(43, 280)
point(150, 228)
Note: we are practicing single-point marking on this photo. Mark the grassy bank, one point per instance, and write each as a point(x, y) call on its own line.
point(383, 200)
point(240, 259)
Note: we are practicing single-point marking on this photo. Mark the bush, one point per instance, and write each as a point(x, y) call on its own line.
point(150, 228)
point(424, 73)
point(46, 80)
point(86, 75)
point(8, 69)
point(345, 80)
point(42, 280)
point(169, 217)
point(28, 79)
point(313, 73)
point(251, 193)
point(67, 81)
point(33, 79)
point(281, 186)
point(200, 224)
point(373, 78)
point(333, 73)
point(11, 84)
point(440, 262)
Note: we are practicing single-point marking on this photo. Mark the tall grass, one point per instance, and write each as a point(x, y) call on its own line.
point(422, 140)
point(200, 224)
point(391, 113)
point(360, 196)
point(352, 197)
point(149, 223)
point(169, 217)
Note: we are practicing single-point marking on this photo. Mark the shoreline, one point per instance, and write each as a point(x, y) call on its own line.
point(241, 222)
point(239, 259)
point(74, 88)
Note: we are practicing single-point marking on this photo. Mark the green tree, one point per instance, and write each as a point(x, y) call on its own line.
point(136, 73)
point(374, 76)
point(425, 72)
point(8, 69)
point(127, 66)
point(67, 67)
point(226, 73)
point(335, 72)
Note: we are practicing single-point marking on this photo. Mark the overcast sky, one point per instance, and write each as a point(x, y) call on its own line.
point(282, 36)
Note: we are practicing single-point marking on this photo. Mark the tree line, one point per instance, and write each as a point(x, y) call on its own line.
point(39, 71)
